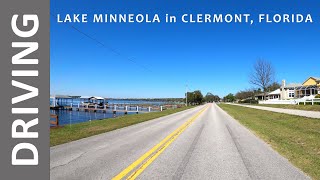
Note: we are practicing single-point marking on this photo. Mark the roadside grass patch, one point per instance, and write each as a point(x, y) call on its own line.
point(307, 107)
point(296, 138)
point(82, 130)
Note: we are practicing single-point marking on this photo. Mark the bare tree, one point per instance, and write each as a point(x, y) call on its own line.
point(262, 75)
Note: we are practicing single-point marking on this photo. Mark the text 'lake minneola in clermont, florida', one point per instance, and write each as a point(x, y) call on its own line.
point(185, 18)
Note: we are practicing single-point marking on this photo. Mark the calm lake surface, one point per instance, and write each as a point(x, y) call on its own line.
point(72, 117)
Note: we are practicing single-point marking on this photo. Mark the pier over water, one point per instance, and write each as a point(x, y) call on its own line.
point(77, 109)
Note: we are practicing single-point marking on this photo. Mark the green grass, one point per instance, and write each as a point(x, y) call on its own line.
point(296, 138)
point(291, 106)
point(82, 130)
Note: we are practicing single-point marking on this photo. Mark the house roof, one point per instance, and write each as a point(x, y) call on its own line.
point(292, 85)
point(260, 94)
point(312, 77)
point(316, 78)
point(277, 91)
point(306, 87)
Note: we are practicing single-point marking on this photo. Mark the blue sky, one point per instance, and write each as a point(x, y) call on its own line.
point(214, 58)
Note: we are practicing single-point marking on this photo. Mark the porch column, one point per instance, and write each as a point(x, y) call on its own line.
point(305, 92)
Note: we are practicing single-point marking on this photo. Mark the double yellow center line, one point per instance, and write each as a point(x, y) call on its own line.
point(145, 160)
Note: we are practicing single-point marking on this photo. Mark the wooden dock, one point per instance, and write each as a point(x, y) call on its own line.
point(115, 108)
point(114, 111)
point(110, 108)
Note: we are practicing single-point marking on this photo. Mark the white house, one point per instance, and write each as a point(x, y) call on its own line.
point(271, 95)
point(274, 94)
point(287, 91)
point(309, 87)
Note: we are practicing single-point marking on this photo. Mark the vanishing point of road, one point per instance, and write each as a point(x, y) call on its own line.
point(199, 143)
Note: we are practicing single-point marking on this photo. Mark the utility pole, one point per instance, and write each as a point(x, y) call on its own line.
point(186, 94)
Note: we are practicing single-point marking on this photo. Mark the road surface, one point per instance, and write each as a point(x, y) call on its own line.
point(199, 143)
point(309, 114)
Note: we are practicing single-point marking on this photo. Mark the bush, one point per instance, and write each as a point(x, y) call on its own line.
point(249, 101)
point(317, 96)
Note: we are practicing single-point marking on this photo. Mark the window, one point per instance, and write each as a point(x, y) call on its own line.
point(291, 95)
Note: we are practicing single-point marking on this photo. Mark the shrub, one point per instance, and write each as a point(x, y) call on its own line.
point(249, 101)
point(317, 96)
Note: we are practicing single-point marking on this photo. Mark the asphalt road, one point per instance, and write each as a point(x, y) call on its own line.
point(212, 146)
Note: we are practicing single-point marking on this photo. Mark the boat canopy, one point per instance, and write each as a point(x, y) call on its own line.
point(92, 97)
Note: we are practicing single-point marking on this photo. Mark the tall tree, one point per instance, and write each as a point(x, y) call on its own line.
point(195, 97)
point(198, 97)
point(190, 96)
point(262, 75)
point(229, 98)
point(211, 98)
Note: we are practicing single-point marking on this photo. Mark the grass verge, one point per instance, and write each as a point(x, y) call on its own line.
point(291, 106)
point(296, 138)
point(82, 130)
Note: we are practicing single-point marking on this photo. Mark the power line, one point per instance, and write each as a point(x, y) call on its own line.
point(105, 45)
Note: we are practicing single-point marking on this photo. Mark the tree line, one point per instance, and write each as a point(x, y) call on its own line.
point(196, 98)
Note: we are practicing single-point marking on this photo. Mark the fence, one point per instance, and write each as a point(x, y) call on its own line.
point(309, 101)
point(304, 101)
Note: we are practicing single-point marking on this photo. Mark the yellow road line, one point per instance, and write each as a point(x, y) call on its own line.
point(154, 152)
point(153, 157)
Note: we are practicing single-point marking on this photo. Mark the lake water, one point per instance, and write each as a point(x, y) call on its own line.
point(72, 117)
